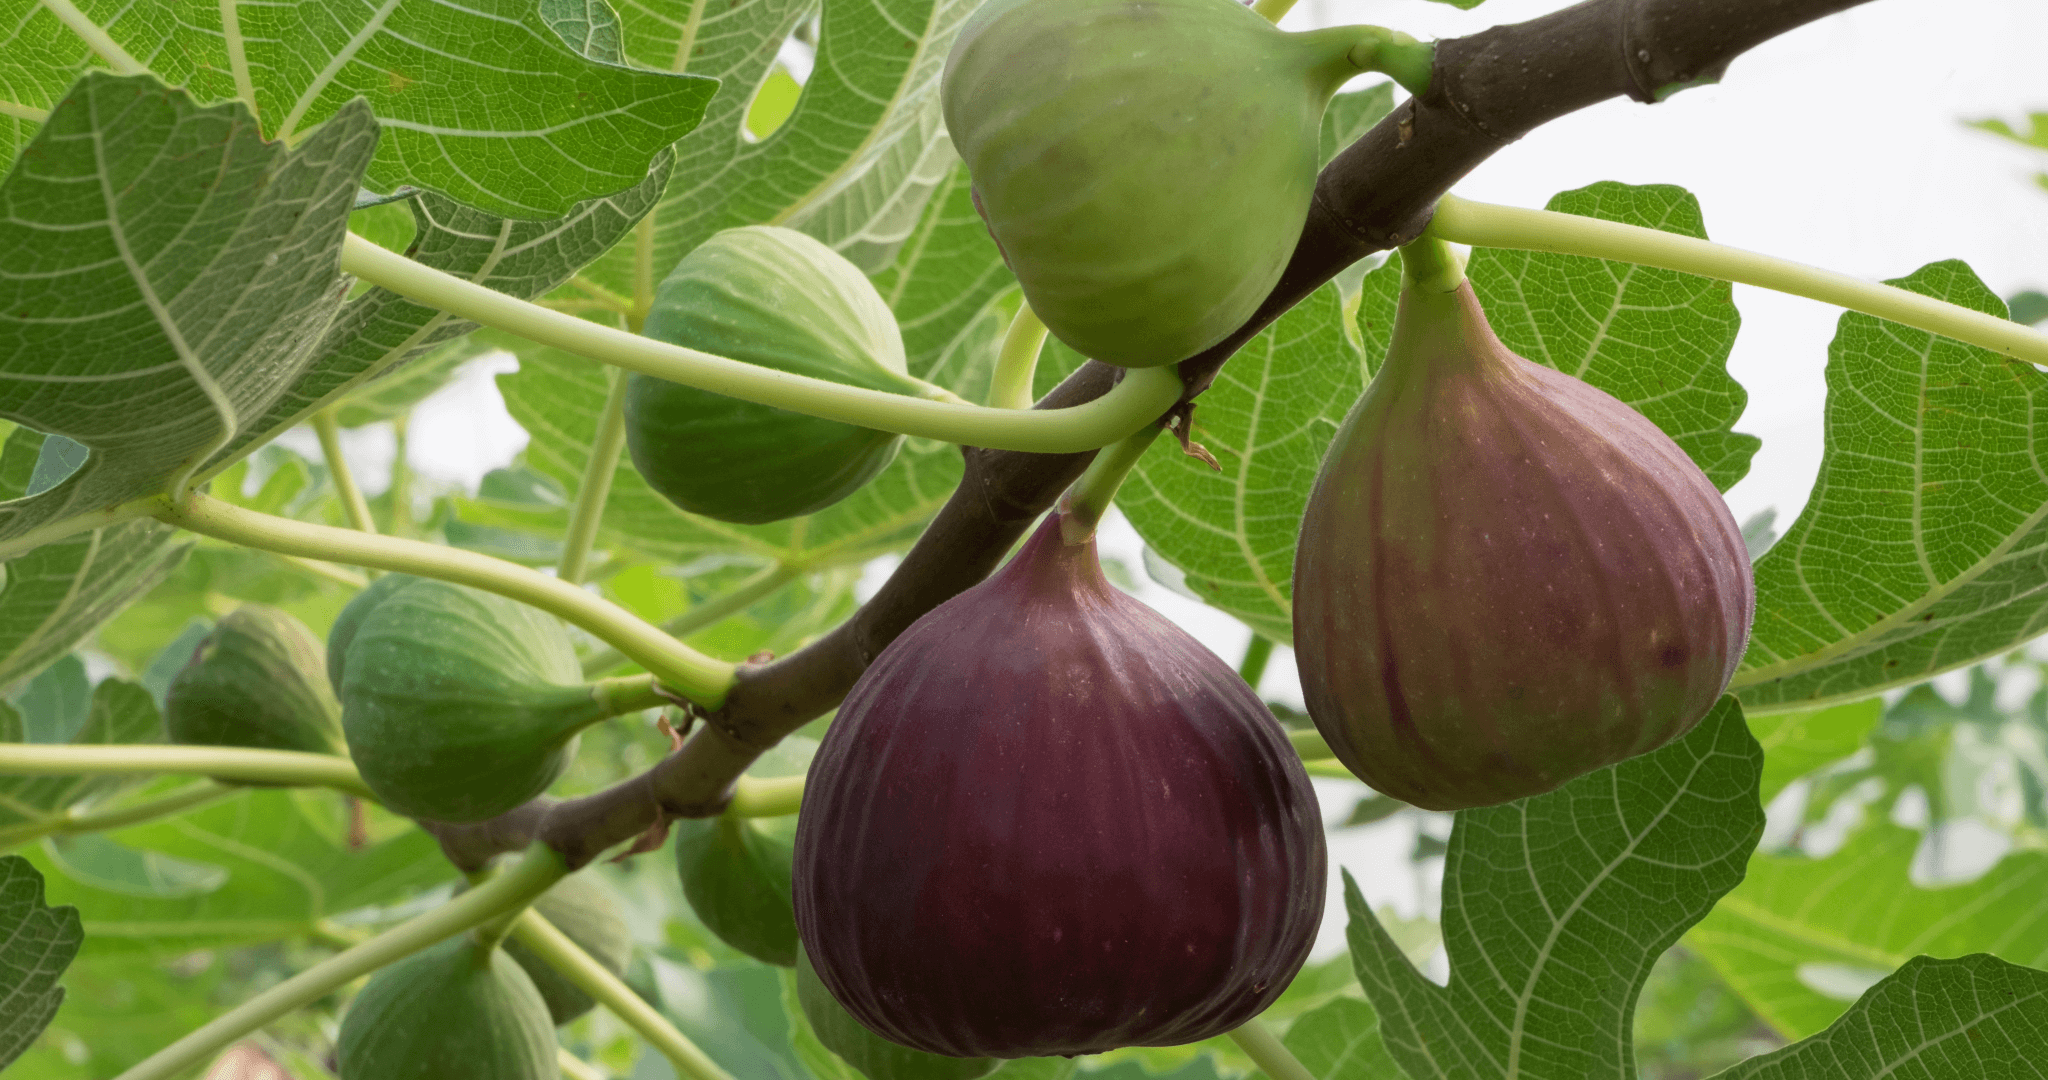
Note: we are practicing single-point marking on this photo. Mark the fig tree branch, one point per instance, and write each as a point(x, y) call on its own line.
point(1485, 92)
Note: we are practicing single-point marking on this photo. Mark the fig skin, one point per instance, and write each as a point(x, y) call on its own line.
point(258, 681)
point(451, 1012)
point(1144, 165)
point(1506, 578)
point(1048, 821)
point(777, 298)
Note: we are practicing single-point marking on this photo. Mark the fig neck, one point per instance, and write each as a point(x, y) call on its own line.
point(1442, 333)
point(1049, 565)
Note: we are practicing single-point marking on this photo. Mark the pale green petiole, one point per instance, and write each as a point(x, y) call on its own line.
point(353, 505)
point(1138, 400)
point(775, 797)
point(1268, 1054)
point(514, 888)
point(1485, 225)
point(679, 667)
point(76, 820)
point(562, 954)
point(596, 485)
point(1017, 363)
point(289, 767)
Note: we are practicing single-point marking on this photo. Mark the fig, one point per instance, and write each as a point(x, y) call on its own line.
point(459, 704)
point(259, 680)
point(455, 1011)
point(876, 1057)
point(777, 298)
point(1048, 821)
point(737, 881)
point(1506, 578)
point(583, 910)
point(1145, 165)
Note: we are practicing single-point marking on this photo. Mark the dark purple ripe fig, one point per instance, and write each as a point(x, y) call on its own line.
point(1048, 821)
point(1506, 578)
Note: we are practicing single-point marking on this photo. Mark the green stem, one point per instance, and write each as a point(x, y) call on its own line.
point(562, 954)
point(575, 1068)
point(778, 797)
point(1482, 224)
point(1084, 504)
point(327, 570)
point(712, 611)
point(1139, 399)
point(1398, 56)
point(401, 479)
point(353, 505)
point(627, 693)
point(1017, 363)
point(75, 821)
point(596, 486)
point(1276, 1060)
point(1432, 265)
point(1256, 653)
point(1310, 744)
point(1274, 10)
point(687, 671)
point(290, 768)
point(517, 886)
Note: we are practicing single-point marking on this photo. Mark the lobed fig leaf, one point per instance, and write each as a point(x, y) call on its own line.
point(459, 704)
point(876, 1057)
point(737, 879)
point(1048, 821)
point(1506, 578)
point(259, 680)
point(452, 1012)
point(1145, 165)
point(584, 911)
point(777, 298)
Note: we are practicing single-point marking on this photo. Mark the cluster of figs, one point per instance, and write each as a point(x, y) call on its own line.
point(1047, 821)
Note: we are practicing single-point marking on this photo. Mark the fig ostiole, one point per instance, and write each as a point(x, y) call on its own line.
point(780, 299)
point(1145, 165)
point(259, 680)
point(1506, 577)
point(456, 1011)
point(1046, 820)
point(459, 704)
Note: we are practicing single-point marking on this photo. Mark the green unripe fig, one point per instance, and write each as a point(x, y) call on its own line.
point(777, 298)
point(344, 629)
point(737, 879)
point(1145, 165)
point(259, 681)
point(460, 704)
point(452, 1012)
point(873, 1055)
point(585, 912)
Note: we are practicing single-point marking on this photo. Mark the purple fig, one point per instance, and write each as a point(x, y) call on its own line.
point(1506, 578)
point(1048, 821)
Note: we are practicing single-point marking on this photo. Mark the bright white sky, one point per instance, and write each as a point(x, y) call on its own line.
point(1840, 144)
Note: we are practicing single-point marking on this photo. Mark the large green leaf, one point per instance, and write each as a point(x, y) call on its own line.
point(278, 863)
point(1798, 743)
point(1921, 547)
point(940, 285)
point(164, 275)
point(1976, 1017)
point(37, 943)
point(1341, 1041)
point(1801, 937)
point(1556, 907)
point(484, 101)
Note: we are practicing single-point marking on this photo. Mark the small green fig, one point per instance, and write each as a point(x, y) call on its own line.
point(455, 1011)
point(1506, 578)
point(736, 878)
point(1145, 165)
point(584, 911)
point(460, 704)
point(777, 298)
point(259, 680)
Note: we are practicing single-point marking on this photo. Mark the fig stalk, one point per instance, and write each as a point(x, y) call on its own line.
point(1082, 507)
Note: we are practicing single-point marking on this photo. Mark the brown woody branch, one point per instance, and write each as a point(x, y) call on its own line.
point(1485, 92)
